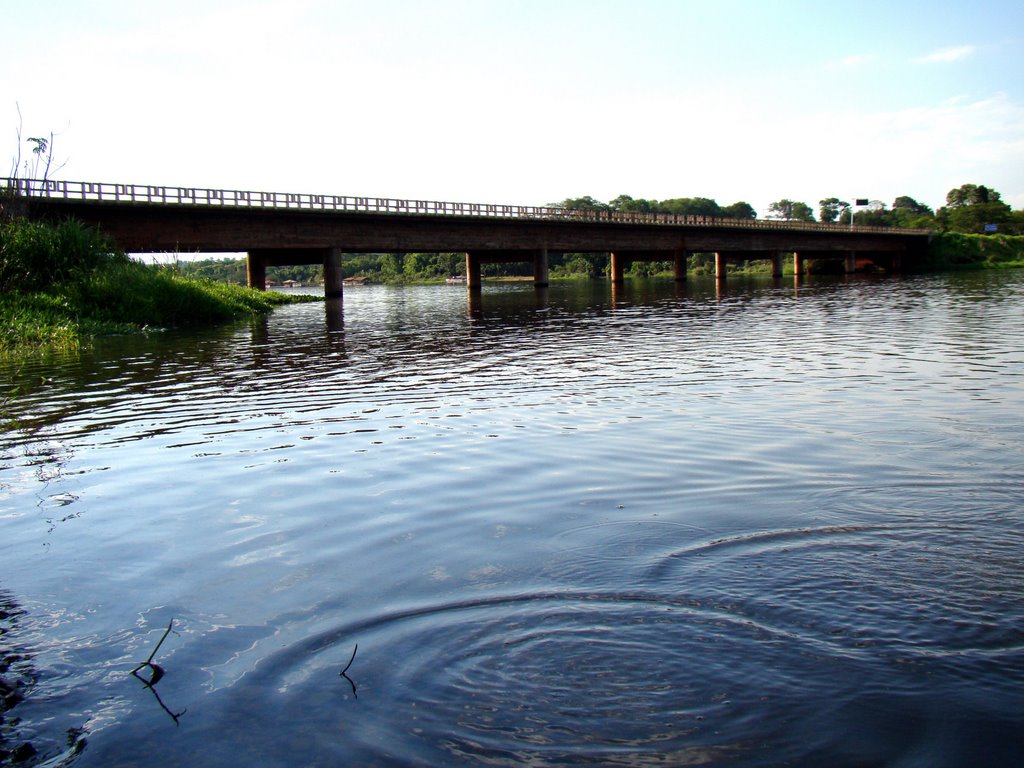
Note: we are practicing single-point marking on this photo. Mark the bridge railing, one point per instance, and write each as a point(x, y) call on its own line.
point(90, 191)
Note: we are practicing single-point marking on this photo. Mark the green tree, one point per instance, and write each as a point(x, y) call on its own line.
point(909, 204)
point(875, 215)
point(1017, 222)
point(690, 206)
point(627, 203)
point(971, 194)
point(585, 264)
point(585, 203)
point(681, 206)
point(739, 210)
point(418, 265)
point(391, 264)
point(970, 208)
point(226, 270)
point(907, 212)
point(360, 264)
point(975, 218)
point(831, 209)
point(789, 210)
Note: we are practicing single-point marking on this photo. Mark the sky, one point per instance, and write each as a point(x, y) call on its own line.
point(525, 101)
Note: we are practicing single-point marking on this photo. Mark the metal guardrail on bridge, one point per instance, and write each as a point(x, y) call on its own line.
point(90, 191)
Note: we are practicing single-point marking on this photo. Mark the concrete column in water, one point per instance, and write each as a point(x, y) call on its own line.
point(719, 265)
point(333, 280)
point(472, 272)
point(335, 310)
point(540, 268)
point(679, 265)
point(618, 265)
point(256, 271)
point(851, 262)
point(776, 263)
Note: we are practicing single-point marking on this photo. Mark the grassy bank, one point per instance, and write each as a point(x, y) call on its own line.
point(62, 285)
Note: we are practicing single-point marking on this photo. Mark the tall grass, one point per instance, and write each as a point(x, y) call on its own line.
point(35, 255)
point(61, 285)
point(147, 295)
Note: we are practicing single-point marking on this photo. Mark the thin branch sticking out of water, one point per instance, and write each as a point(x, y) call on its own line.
point(350, 682)
point(156, 673)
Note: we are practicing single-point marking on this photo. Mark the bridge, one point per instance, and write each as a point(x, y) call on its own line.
point(276, 229)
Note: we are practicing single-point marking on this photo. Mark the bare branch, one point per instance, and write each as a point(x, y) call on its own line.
point(42, 154)
point(17, 157)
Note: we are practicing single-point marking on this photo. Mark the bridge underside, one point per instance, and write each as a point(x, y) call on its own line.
point(331, 258)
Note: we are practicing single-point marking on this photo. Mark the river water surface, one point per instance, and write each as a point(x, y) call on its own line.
point(767, 524)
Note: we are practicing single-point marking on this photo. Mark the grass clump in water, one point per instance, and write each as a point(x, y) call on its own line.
point(63, 284)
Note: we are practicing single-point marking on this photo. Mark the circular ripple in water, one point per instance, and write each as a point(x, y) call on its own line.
point(542, 679)
point(611, 547)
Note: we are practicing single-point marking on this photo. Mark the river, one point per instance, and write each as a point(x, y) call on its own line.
point(759, 524)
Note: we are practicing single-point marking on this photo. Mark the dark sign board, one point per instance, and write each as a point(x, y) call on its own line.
point(991, 227)
point(862, 201)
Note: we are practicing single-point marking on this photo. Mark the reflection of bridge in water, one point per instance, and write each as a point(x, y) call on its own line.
point(277, 229)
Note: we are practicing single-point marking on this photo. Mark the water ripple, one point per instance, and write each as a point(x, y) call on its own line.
point(673, 525)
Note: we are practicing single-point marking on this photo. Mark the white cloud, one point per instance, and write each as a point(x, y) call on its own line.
point(946, 55)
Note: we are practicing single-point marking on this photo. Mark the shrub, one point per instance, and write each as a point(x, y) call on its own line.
point(37, 255)
point(62, 284)
point(955, 250)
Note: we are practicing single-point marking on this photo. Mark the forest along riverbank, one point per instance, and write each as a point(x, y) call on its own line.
point(948, 251)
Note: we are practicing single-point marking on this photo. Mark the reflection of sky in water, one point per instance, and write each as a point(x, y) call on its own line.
point(691, 526)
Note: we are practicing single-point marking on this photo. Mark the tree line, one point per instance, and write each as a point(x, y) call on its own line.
point(684, 206)
point(969, 209)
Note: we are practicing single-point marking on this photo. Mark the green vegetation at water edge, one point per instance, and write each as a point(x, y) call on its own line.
point(63, 284)
point(946, 251)
point(953, 250)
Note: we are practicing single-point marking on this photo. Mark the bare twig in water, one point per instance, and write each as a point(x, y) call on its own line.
point(156, 673)
point(350, 682)
point(170, 625)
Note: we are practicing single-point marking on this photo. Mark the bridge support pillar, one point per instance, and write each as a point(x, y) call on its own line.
point(679, 265)
point(850, 262)
point(776, 263)
point(540, 268)
point(719, 265)
point(333, 280)
point(618, 267)
point(798, 264)
point(335, 311)
point(473, 281)
point(256, 271)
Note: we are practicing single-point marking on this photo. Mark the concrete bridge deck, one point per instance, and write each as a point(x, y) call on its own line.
point(285, 228)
